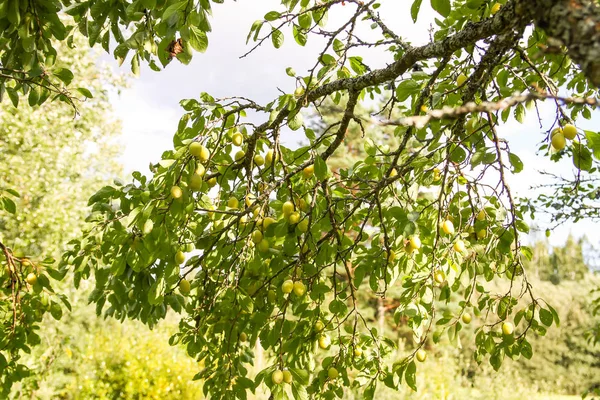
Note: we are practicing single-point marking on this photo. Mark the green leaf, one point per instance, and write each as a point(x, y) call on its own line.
point(582, 157)
point(411, 375)
point(546, 317)
point(64, 75)
point(526, 251)
point(554, 314)
point(299, 36)
point(56, 311)
point(593, 140)
point(305, 21)
point(458, 154)
point(93, 32)
point(198, 39)
point(14, 13)
point(338, 47)
point(369, 393)
point(166, 163)
point(85, 92)
point(34, 96)
point(369, 147)
point(102, 194)
point(296, 121)
point(172, 9)
point(120, 52)
point(255, 28)
point(320, 16)
point(135, 65)
point(65, 301)
point(156, 292)
point(9, 205)
point(277, 38)
point(12, 191)
point(515, 162)
point(496, 358)
point(13, 96)
point(338, 307)
point(272, 16)
point(77, 8)
point(300, 376)
point(357, 65)
point(520, 113)
point(522, 226)
point(119, 263)
point(489, 344)
point(406, 89)
point(327, 59)
point(442, 7)
point(526, 350)
point(321, 169)
point(414, 9)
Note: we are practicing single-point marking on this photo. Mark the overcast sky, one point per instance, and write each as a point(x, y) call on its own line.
point(150, 108)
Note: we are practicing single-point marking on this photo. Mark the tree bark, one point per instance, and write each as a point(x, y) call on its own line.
point(574, 24)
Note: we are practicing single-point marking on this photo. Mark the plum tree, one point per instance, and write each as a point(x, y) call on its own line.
point(392, 200)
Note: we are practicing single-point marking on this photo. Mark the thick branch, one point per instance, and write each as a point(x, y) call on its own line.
point(576, 24)
point(341, 133)
point(455, 112)
point(507, 19)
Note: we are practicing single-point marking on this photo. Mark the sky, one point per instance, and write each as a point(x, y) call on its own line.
point(149, 108)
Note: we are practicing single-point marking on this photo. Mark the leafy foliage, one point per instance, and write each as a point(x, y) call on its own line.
point(564, 263)
point(253, 241)
point(48, 169)
point(31, 62)
point(105, 359)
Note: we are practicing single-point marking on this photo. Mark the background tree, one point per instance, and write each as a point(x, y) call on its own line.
point(276, 233)
point(54, 162)
point(563, 263)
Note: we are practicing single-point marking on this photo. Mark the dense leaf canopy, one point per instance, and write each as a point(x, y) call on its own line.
point(253, 241)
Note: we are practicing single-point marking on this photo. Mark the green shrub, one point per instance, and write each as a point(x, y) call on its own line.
point(105, 359)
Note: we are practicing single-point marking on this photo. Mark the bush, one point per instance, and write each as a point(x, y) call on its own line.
point(90, 358)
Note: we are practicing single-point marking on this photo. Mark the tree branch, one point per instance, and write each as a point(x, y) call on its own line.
point(449, 112)
point(576, 24)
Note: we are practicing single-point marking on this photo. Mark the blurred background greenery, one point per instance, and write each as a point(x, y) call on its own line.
point(56, 162)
